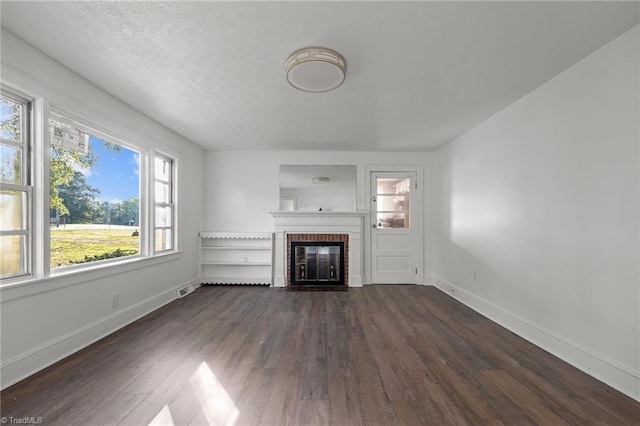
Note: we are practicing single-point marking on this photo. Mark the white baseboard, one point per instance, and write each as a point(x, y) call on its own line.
point(428, 280)
point(356, 282)
point(38, 358)
point(619, 377)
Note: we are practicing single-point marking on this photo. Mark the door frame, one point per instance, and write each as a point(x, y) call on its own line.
point(417, 219)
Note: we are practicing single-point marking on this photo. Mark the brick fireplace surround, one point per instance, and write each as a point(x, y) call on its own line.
point(318, 226)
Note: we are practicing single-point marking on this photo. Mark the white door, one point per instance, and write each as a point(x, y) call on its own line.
point(395, 240)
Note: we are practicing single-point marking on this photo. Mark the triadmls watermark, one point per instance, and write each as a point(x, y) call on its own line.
point(26, 420)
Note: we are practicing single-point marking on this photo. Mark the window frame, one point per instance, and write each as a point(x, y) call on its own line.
point(26, 181)
point(83, 125)
point(171, 204)
point(43, 101)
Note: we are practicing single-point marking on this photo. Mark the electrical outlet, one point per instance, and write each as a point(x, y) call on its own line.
point(115, 300)
point(475, 276)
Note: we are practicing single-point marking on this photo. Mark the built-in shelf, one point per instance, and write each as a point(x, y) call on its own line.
point(237, 248)
point(236, 258)
point(237, 263)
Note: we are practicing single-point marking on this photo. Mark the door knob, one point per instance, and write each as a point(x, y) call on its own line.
point(373, 225)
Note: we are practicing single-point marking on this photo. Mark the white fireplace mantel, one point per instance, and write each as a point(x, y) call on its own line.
point(318, 222)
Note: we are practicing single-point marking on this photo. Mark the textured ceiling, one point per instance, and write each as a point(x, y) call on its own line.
point(418, 73)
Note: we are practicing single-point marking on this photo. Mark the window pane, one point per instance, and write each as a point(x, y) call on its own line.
point(163, 216)
point(15, 214)
point(163, 174)
point(393, 185)
point(65, 136)
point(163, 192)
point(13, 210)
point(163, 169)
point(392, 203)
point(75, 244)
point(13, 261)
point(11, 119)
point(393, 220)
point(163, 239)
point(10, 164)
point(94, 198)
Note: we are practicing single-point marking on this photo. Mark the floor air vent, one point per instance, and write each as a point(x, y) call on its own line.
point(183, 291)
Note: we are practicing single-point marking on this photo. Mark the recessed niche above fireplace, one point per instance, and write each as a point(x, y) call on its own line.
point(315, 187)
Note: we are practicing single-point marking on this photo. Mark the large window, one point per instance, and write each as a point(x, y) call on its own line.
point(94, 196)
point(164, 203)
point(15, 186)
point(75, 195)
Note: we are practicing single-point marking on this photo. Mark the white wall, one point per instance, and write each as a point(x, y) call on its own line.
point(542, 202)
point(46, 319)
point(247, 186)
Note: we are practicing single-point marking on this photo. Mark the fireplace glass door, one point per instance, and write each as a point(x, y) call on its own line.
point(317, 263)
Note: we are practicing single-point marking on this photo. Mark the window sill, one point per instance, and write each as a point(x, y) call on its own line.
point(67, 278)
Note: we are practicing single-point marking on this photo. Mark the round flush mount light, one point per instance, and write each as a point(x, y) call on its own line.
point(320, 180)
point(315, 69)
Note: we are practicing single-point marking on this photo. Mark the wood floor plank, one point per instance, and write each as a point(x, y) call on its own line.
point(373, 400)
point(313, 374)
point(112, 410)
point(311, 412)
point(525, 399)
point(378, 355)
point(283, 394)
point(252, 400)
point(344, 404)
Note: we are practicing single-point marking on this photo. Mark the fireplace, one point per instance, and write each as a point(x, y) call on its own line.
point(318, 227)
point(317, 263)
point(320, 260)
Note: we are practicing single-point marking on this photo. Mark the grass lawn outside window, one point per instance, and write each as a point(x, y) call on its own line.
point(73, 244)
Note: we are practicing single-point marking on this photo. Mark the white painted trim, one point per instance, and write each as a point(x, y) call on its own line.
point(325, 222)
point(620, 377)
point(70, 277)
point(38, 358)
point(236, 235)
point(417, 220)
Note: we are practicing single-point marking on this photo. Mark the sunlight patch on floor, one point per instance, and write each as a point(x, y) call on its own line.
point(215, 402)
point(163, 418)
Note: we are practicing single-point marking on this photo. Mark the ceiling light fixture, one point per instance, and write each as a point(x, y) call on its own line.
point(315, 69)
point(320, 180)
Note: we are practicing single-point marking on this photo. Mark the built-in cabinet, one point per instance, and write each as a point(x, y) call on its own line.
point(236, 258)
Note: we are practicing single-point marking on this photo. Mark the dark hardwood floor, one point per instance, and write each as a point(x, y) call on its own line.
point(377, 355)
